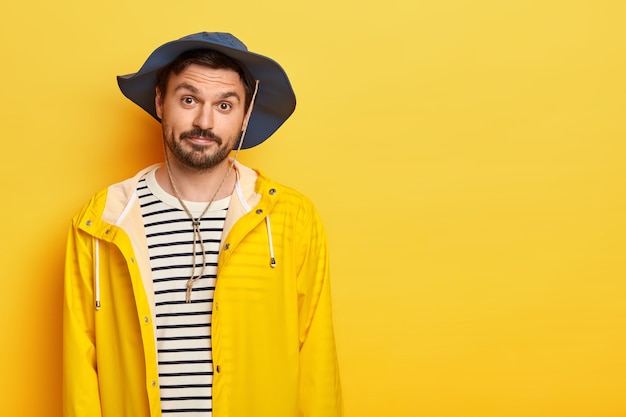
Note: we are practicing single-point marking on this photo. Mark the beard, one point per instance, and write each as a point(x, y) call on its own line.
point(197, 158)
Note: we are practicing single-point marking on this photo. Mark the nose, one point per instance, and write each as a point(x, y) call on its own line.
point(204, 118)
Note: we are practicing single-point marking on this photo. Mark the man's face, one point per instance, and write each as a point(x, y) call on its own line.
point(202, 115)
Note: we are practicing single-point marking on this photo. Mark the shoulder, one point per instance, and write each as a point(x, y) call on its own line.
point(107, 203)
point(287, 200)
point(284, 193)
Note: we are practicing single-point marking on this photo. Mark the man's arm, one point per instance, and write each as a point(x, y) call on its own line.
point(320, 388)
point(81, 394)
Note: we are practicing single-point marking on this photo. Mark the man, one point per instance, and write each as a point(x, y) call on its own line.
point(200, 286)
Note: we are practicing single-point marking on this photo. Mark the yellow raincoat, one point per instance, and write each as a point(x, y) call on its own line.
point(273, 343)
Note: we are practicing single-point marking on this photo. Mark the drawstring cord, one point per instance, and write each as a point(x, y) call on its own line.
point(96, 261)
point(97, 273)
point(195, 223)
point(268, 225)
point(269, 239)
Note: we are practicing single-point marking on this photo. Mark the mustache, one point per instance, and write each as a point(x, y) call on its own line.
point(201, 133)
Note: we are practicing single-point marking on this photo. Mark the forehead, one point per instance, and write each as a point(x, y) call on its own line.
point(206, 79)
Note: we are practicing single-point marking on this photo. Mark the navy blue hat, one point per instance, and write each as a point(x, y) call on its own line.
point(275, 100)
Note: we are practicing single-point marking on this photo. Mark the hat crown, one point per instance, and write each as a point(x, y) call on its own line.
point(220, 38)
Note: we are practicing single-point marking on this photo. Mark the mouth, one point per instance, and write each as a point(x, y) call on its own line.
point(200, 140)
point(201, 137)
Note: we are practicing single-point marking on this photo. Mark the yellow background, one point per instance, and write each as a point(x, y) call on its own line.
point(467, 157)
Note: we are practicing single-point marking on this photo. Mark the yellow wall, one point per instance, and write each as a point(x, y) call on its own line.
point(467, 157)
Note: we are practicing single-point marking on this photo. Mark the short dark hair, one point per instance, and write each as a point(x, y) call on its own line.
point(208, 58)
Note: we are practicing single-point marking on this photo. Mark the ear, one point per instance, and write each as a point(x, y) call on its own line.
point(158, 103)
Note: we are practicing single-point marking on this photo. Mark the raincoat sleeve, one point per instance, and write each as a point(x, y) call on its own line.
point(81, 396)
point(320, 388)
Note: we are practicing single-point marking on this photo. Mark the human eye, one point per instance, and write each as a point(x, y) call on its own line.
point(224, 106)
point(188, 101)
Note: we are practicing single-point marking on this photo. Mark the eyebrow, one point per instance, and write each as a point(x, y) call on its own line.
point(194, 90)
point(229, 94)
point(186, 86)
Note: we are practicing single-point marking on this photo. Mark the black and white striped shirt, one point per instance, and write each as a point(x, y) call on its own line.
point(183, 329)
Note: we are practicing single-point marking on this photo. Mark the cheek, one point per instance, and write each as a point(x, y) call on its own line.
point(174, 121)
point(167, 127)
point(233, 123)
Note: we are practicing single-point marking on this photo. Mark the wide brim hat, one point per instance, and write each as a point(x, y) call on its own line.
point(275, 100)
